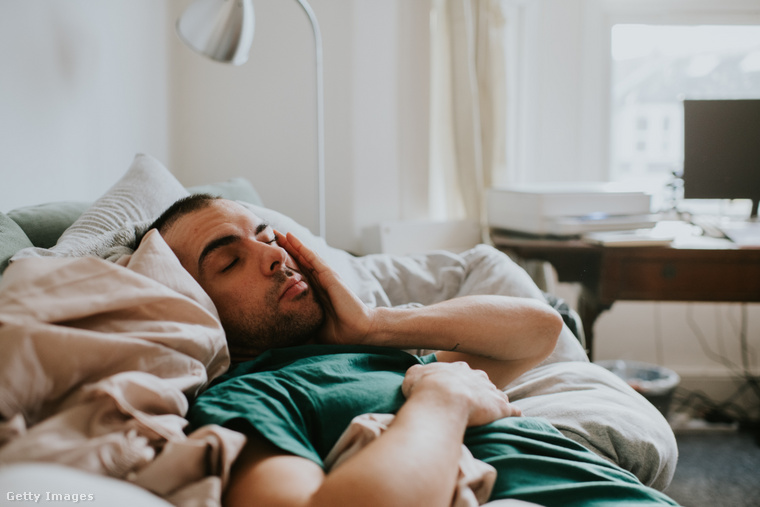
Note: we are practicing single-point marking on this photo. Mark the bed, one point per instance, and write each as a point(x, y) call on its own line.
point(104, 346)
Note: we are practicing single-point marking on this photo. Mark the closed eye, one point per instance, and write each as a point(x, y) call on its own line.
point(230, 265)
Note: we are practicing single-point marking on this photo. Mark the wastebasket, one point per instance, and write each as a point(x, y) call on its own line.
point(655, 383)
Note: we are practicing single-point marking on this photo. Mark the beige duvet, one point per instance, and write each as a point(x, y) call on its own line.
point(97, 364)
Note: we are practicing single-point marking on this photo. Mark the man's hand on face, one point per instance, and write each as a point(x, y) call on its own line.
point(459, 386)
point(347, 319)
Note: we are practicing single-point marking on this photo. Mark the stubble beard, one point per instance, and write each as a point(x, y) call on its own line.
point(271, 327)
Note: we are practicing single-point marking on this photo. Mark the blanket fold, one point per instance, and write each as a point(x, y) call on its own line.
point(99, 363)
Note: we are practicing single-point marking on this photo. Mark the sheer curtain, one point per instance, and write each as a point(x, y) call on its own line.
point(468, 105)
point(469, 109)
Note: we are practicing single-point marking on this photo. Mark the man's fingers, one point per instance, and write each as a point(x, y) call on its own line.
point(294, 247)
point(486, 402)
point(309, 262)
point(306, 256)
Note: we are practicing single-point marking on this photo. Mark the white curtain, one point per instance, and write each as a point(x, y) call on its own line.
point(468, 105)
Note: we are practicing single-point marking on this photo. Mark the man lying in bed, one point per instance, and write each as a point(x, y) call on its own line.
point(311, 356)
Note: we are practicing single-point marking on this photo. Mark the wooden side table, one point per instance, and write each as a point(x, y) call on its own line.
point(657, 273)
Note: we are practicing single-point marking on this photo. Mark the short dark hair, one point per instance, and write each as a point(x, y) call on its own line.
point(181, 208)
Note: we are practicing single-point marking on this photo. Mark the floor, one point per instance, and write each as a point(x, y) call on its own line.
point(717, 469)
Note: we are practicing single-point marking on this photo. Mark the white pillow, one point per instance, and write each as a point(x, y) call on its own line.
point(110, 228)
point(53, 482)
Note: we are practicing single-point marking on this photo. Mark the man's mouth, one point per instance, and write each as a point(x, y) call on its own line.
point(293, 287)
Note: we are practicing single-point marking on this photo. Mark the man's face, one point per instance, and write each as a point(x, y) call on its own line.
point(262, 298)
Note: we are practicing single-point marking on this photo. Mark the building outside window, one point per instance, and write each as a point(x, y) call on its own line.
point(654, 68)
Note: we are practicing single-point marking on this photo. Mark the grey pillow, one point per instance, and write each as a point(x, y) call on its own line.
point(12, 239)
point(110, 228)
point(45, 223)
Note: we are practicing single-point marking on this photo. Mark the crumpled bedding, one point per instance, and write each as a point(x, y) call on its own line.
point(100, 380)
point(99, 361)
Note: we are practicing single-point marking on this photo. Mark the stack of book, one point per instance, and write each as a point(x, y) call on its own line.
point(568, 209)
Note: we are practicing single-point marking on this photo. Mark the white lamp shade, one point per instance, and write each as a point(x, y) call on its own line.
point(219, 29)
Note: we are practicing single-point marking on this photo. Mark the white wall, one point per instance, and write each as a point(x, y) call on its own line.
point(258, 120)
point(83, 87)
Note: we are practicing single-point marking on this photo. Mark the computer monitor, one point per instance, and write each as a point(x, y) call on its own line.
point(722, 150)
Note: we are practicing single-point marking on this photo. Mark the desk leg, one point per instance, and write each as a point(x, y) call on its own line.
point(589, 309)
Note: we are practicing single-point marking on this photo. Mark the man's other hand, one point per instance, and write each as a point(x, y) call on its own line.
point(462, 388)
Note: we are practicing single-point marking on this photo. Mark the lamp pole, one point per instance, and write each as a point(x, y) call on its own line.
point(223, 31)
point(320, 116)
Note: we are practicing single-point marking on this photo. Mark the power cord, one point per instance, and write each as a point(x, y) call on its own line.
point(727, 411)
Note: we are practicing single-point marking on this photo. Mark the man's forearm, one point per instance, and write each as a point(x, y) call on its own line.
point(414, 462)
point(502, 336)
point(494, 327)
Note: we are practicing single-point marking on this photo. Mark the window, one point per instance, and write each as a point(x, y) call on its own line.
point(596, 86)
point(653, 69)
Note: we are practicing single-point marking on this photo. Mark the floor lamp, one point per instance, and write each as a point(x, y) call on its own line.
point(223, 31)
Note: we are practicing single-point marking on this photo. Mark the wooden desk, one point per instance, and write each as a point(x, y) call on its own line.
point(658, 273)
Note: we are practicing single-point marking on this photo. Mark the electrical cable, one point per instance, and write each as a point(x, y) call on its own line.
point(727, 410)
point(694, 326)
point(744, 344)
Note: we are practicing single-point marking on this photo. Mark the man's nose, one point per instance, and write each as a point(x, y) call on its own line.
point(273, 257)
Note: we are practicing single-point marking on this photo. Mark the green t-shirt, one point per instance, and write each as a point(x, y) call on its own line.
point(301, 399)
